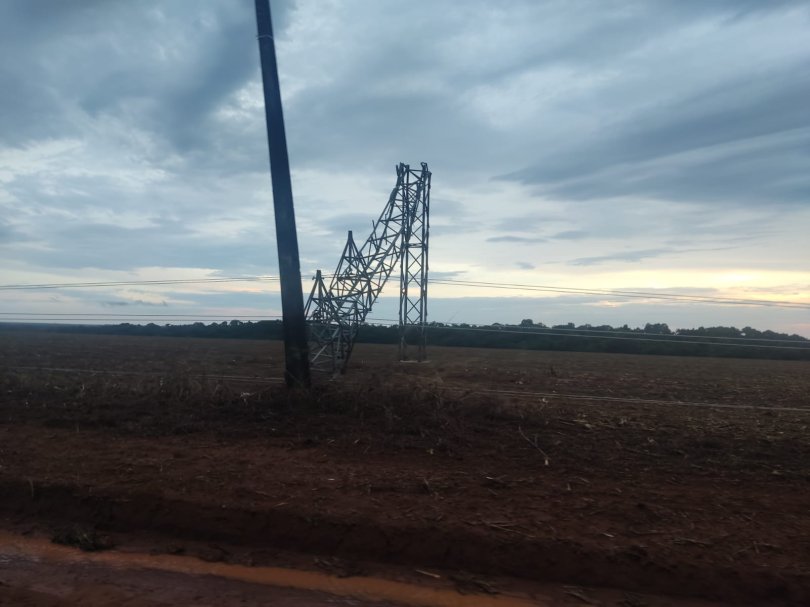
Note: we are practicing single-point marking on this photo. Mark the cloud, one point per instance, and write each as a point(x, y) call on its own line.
point(132, 134)
point(527, 223)
point(111, 247)
point(729, 133)
point(120, 303)
point(456, 228)
point(570, 235)
point(524, 265)
point(163, 68)
point(359, 223)
point(629, 256)
point(9, 234)
point(445, 207)
point(516, 239)
point(446, 274)
point(640, 255)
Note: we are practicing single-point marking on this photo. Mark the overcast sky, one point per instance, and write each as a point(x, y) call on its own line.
point(645, 145)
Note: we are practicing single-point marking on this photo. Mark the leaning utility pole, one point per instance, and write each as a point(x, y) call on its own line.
point(292, 297)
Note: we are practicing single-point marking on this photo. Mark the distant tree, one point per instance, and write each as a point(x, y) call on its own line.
point(661, 328)
point(584, 338)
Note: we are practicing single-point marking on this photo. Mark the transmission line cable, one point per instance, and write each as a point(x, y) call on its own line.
point(706, 299)
point(630, 294)
point(127, 283)
point(114, 315)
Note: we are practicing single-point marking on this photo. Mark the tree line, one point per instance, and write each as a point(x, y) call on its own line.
point(652, 338)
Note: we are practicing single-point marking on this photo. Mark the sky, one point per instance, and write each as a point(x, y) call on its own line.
point(656, 146)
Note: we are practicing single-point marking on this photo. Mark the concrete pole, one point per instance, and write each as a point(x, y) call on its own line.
point(296, 352)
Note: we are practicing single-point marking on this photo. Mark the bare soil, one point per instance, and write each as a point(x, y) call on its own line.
point(425, 465)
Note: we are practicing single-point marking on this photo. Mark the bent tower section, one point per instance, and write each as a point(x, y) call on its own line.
point(336, 309)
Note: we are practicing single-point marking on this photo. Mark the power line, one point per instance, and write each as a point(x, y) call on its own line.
point(102, 315)
point(630, 294)
point(706, 299)
point(87, 321)
point(106, 322)
point(127, 283)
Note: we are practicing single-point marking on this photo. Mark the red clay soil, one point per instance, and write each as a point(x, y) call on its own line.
point(65, 579)
point(681, 500)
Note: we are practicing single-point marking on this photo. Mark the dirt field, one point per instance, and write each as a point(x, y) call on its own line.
point(482, 461)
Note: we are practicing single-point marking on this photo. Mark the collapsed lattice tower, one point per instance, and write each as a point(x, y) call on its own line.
point(400, 236)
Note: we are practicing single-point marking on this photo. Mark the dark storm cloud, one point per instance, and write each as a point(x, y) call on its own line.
point(189, 93)
point(408, 93)
point(740, 142)
point(162, 67)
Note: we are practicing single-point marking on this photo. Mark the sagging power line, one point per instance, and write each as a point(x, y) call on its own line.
point(675, 297)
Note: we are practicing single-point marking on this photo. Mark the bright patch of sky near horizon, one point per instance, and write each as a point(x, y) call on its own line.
point(611, 145)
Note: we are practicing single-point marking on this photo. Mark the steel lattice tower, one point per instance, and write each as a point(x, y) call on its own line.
point(413, 280)
point(400, 235)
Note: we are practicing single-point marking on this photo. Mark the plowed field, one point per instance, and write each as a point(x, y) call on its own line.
point(683, 476)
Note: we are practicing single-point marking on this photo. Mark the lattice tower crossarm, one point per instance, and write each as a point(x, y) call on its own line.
point(399, 236)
